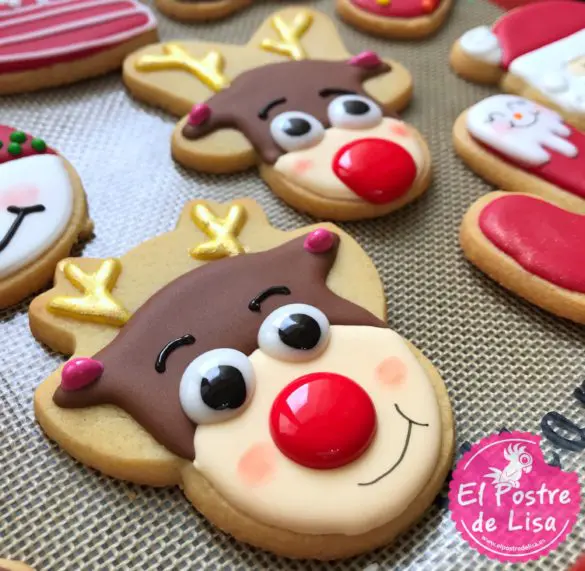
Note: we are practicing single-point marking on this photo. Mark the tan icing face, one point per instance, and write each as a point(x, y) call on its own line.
point(240, 459)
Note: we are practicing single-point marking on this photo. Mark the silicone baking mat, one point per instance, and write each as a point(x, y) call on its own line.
point(505, 362)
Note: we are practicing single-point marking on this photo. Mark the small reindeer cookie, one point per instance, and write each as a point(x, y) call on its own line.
point(200, 10)
point(43, 213)
point(255, 371)
point(47, 44)
point(400, 19)
point(8, 565)
point(531, 247)
point(537, 51)
point(521, 146)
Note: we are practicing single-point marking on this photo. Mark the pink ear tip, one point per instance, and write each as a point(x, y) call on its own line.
point(366, 59)
point(80, 372)
point(319, 241)
point(200, 113)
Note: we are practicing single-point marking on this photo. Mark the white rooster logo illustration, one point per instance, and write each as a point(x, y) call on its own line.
point(519, 462)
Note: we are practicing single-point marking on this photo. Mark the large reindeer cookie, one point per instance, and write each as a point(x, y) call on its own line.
point(537, 51)
point(43, 213)
point(255, 370)
point(57, 42)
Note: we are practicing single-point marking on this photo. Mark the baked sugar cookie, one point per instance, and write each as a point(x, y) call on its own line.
point(521, 146)
point(530, 246)
point(400, 19)
point(8, 565)
point(194, 374)
point(537, 51)
point(200, 10)
point(43, 213)
point(57, 42)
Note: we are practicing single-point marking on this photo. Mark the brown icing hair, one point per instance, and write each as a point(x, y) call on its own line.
point(211, 303)
point(306, 85)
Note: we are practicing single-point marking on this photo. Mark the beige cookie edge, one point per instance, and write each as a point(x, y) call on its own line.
point(508, 273)
point(394, 28)
point(11, 565)
point(335, 546)
point(473, 69)
point(185, 11)
point(38, 273)
point(506, 176)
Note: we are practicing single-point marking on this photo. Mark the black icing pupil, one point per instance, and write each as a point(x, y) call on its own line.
point(296, 127)
point(355, 107)
point(223, 387)
point(300, 331)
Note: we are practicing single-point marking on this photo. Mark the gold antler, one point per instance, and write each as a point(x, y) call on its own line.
point(97, 303)
point(222, 231)
point(209, 70)
point(290, 45)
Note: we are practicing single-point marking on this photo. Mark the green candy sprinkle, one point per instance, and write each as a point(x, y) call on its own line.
point(14, 149)
point(18, 137)
point(1, 144)
point(38, 145)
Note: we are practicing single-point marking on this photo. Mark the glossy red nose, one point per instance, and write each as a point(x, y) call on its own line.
point(323, 421)
point(377, 170)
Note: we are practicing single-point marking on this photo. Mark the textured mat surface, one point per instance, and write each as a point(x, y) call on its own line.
point(505, 362)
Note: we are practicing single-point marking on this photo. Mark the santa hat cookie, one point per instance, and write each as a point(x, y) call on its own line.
point(537, 51)
point(43, 213)
point(400, 19)
point(47, 44)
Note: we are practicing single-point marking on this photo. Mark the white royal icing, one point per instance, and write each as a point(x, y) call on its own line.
point(519, 129)
point(549, 70)
point(482, 44)
point(29, 181)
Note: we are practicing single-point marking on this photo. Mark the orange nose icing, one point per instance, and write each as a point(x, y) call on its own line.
point(518, 115)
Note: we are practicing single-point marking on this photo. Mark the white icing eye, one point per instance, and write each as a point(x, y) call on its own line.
point(295, 130)
point(295, 332)
point(354, 112)
point(216, 386)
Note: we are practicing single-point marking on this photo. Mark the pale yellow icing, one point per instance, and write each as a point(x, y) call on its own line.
point(311, 168)
point(304, 500)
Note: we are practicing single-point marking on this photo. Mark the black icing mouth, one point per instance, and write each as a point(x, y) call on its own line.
point(21, 213)
point(411, 423)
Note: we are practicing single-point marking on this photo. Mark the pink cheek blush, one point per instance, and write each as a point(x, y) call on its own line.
point(302, 166)
point(399, 130)
point(19, 195)
point(257, 465)
point(391, 372)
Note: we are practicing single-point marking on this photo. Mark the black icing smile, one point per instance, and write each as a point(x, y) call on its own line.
point(411, 423)
point(21, 214)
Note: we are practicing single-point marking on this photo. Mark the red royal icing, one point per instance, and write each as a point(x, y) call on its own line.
point(323, 421)
point(544, 239)
point(530, 27)
point(64, 30)
point(26, 148)
point(398, 8)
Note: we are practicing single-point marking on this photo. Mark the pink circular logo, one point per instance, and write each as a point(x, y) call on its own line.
point(508, 503)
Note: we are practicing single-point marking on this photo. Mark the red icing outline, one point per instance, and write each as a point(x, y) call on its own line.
point(27, 150)
point(544, 239)
point(398, 8)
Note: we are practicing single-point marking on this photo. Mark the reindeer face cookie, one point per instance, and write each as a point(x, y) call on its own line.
point(291, 415)
point(42, 213)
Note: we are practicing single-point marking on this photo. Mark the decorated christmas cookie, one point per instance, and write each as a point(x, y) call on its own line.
point(537, 51)
point(200, 10)
point(43, 213)
point(521, 146)
point(253, 370)
point(56, 42)
point(402, 19)
point(7, 565)
point(530, 246)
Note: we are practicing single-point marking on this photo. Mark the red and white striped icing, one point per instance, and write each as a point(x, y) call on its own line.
point(39, 35)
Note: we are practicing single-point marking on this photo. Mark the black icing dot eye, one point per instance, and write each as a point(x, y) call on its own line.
point(354, 112)
point(300, 331)
point(223, 387)
point(296, 127)
point(356, 106)
point(295, 130)
point(295, 332)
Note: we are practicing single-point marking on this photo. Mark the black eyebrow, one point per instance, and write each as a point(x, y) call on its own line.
point(335, 91)
point(254, 305)
point(161, 360)
point(263, 114)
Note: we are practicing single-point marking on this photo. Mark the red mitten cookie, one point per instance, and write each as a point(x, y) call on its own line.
point(43, 213)
point(63, 41)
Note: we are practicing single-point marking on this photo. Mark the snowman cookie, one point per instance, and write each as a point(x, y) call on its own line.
point(57, 42)
point(537, 51)
point(200, 10)
point(43, 213)
point(281, 403)
point(521, 146)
